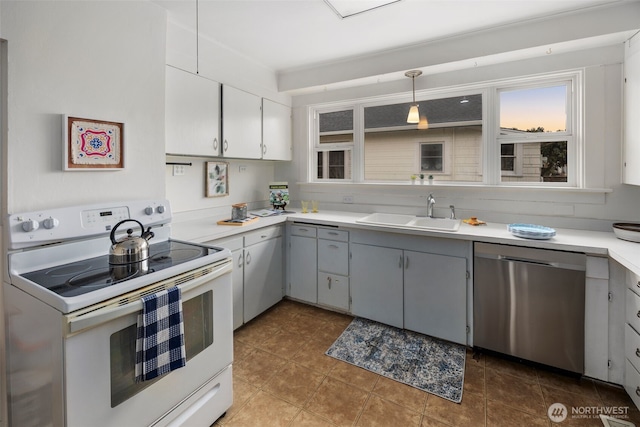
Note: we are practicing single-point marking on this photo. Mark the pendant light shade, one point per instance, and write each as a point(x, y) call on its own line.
point(414, 114)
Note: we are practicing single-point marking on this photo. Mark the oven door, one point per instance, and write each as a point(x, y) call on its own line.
point(99, 354)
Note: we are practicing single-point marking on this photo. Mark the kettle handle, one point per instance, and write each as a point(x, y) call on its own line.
point(113, 230)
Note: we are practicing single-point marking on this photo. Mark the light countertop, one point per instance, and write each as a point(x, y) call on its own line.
point(590, 242)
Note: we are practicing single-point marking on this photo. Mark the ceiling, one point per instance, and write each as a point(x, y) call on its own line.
point(289, 36)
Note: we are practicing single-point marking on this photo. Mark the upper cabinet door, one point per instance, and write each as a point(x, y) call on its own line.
point(276, 131)
point(631, 165)
point(241, 124)
point(192, 114)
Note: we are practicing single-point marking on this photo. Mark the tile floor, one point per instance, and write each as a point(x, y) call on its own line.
point(283, 378)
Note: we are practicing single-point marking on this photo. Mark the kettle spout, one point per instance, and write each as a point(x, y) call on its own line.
point(147, 234)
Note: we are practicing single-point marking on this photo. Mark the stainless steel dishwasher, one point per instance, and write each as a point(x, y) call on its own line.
point(529, 303)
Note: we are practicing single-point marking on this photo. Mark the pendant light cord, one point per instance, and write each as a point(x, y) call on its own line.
point(197, 37)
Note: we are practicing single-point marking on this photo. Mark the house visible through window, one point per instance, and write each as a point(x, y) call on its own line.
point(531, 141)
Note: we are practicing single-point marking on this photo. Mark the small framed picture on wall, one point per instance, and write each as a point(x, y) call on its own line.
point(217, 179)
point(91, 144)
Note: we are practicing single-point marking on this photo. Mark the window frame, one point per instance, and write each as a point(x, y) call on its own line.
point(491, 140)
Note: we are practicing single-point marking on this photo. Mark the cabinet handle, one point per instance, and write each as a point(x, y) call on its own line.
point(333, 246)
point(333, 233)
point(638, 391)
point(303, 229)
point(638, 314)
point(264, 149)
point(638, 352)
point(329, 281)
point(240, 260)
point(225, 147)
point(406, 262)
point(248, 258)
point(638, 284)
point(263, 236)
point(215, 143)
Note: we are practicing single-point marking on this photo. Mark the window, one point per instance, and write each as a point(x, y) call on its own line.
point(431, 157)
point(528, 137)
point(333, 160)
point(535, 133)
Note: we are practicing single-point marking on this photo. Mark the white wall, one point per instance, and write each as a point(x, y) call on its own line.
point(593, 209)
point(100, 60)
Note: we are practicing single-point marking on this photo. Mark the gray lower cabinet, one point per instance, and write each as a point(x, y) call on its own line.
point(257, 271)
point(435, 292)
point(632, 338)
point(376, 283)
point(302, 264)
point(333, 268)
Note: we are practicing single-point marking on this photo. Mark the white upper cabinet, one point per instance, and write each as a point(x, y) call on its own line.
point(241, 124)
point(631, 165)
point(192, 114)
point(276, 131)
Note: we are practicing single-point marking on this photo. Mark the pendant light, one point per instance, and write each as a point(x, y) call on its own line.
point(414, 114)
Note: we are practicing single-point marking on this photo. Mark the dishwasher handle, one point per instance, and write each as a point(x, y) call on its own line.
point(528, 261)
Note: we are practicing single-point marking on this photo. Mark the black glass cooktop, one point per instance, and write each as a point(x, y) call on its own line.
point(84, 276)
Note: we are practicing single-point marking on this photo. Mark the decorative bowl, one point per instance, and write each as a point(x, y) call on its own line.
point(627, 231)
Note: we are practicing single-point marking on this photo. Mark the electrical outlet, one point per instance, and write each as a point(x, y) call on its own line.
point(347, 199)
point(178, 170)
point(242, 168)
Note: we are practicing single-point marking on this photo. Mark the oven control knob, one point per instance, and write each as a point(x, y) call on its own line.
point(50, 223)
point(30, 225)
point(160, 209)
point(148, 210)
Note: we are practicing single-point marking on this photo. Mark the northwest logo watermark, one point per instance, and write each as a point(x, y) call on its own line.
point(558, 412)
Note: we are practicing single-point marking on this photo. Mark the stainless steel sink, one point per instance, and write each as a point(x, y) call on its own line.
point(411, 221)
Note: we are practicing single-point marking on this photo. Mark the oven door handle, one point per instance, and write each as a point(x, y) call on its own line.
point(114, 309)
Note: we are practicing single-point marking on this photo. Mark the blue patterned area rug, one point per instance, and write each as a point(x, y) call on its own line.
point(411, 358)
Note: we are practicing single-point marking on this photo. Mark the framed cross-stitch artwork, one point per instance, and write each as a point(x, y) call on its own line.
point(91, 144)
point(217, 179)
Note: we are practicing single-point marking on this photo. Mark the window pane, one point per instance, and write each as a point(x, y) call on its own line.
point(507, 149)
point(431, 159)
point(450, 146)
point(336, 121)
point(320, 165)
point(542, 109)
point(334, 164)
point(538, 162)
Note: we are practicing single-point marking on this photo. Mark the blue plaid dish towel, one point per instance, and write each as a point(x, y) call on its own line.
point(160, 338)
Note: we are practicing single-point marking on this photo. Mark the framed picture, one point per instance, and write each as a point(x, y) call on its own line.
point(91, 144)
point(217, 179)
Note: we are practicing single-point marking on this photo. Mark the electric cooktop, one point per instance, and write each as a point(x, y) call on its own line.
point(84, 276)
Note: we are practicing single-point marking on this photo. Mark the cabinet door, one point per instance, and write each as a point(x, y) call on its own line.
point(276, 131)
point(237, 277)
point(262, 276)
point(631, 164)
point(435, 295)
point(192, 114)
point(302, 269)
point(376, 283)
point(333, 290)
point(241, 124)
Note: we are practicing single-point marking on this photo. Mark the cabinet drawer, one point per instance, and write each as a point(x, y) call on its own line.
point(303, 230)
point(333, 290)
point(231, 243)
point(261, 235)
point(333, 257)
point(633, 281)
point(632, 382)
point(332, 234)
point(633, 310)
point(632, 346)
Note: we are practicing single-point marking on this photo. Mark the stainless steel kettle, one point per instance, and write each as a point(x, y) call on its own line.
point(130, 249)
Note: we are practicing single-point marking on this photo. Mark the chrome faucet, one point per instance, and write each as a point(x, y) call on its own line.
point(430, 203)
